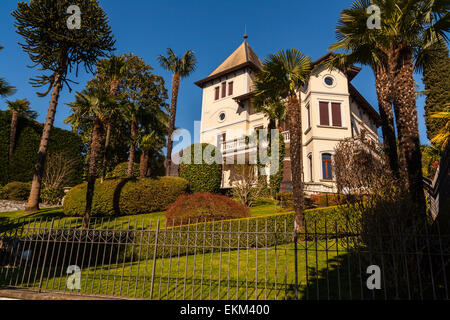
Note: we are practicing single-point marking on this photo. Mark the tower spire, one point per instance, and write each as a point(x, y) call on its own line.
point(245, 32)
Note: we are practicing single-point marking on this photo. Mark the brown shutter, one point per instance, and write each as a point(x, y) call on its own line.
point(230, 89)
point(217, 93)
point(336, 114)
point(324, 116)
point(224, 89)
point(308, 110)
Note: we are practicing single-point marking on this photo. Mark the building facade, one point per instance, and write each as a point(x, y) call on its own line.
point(332, 110)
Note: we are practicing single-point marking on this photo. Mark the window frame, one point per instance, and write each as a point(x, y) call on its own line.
point(327, 166)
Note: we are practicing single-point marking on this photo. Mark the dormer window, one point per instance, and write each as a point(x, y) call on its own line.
point(224, 89)
point(230, 88)
point(217, 95)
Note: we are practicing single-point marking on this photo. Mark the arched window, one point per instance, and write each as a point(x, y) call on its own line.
point(326, 166)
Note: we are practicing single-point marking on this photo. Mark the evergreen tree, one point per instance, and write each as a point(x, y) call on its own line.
point(437, 88)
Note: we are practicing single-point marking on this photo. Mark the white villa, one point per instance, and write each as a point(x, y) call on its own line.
point(332, 109)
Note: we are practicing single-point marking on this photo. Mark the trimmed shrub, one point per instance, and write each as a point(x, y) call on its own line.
point(17, 190)
point(202, 177)
point(126, 196)
point(3, 194)
point(327, 200)
point(204, 207)
point(52, 196)
point(286, 201)
point(21, 166)
point(121, 171)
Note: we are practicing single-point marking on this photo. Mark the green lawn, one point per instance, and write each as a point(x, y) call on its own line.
point(145, 221)
point(265, 273)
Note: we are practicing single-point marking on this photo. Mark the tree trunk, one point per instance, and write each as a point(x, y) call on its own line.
point(143, 164)
point(94, 155)
point(296, 153)
point(134, 131)
point(383, 82)
point(12, 135)
point(173, 112)
point(33, 199)
point(404, 94)
point(106, 152)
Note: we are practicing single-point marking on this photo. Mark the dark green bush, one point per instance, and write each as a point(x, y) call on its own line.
point(202, 177)
point(21, 166)
point(17, 190)
point(126, 196)
point(121, 171)
point(52, 196)
point(204, 207)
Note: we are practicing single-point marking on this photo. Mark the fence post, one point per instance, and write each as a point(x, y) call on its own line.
point(45, 255)
point(296, 259)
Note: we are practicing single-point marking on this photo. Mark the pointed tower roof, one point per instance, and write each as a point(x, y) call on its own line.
point(242, 57)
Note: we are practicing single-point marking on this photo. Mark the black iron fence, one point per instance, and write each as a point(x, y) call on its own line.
point(253, 259)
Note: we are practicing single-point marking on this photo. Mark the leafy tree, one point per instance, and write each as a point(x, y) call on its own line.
point(437, 87)
point(56, 49)
point(283, 74)
point(144, 103)
point(5, 88)
point(181, 67)
point(18, 108)
point(442, 137)
point(92, 104)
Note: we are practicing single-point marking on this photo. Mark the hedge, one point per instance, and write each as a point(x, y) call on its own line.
point(17, 190)
point(122, 197)
point(121, 171)
point(202, 177)
point(21, 166)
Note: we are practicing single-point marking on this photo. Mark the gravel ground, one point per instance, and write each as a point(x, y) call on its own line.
point(10, 206)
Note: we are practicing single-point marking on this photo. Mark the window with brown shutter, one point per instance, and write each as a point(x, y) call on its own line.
point(217, 93)
point(336, 114)
point(224, 89)
point(324, 116)
point(230, 88)
point(308, 111)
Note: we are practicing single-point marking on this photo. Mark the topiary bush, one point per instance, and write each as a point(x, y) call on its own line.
point(121, 171)
point(202, 177)
point(52, 196)
point(18, 191)
point(204, 207)
point(121, 197)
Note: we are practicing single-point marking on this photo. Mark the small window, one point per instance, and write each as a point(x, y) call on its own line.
point(336, 114)
point(217, 95)
point(324, 114)
point(326, 167)
point(222, 116)
point(329, 81)
point(310, 168)
point(308, 117)
point(224, 89)
point(230, 88)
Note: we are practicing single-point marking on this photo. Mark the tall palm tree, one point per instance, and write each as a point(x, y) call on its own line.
point(111, 71)
point(408, 27)
point(181, 67)
point(283, 74)
point(18, 108)
point(93, 104)
point(5, 88)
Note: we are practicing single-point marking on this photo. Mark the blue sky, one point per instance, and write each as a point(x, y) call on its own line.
point(213, 29)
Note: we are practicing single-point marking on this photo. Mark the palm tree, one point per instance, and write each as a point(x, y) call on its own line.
point(5, 88)
point(57, 50)
point(18, 108)
point(408, 27)
point(283, 74)
point(443, 136)
point(370, 55)
point(92, 104)
point(111, 71)
point(181, 68)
